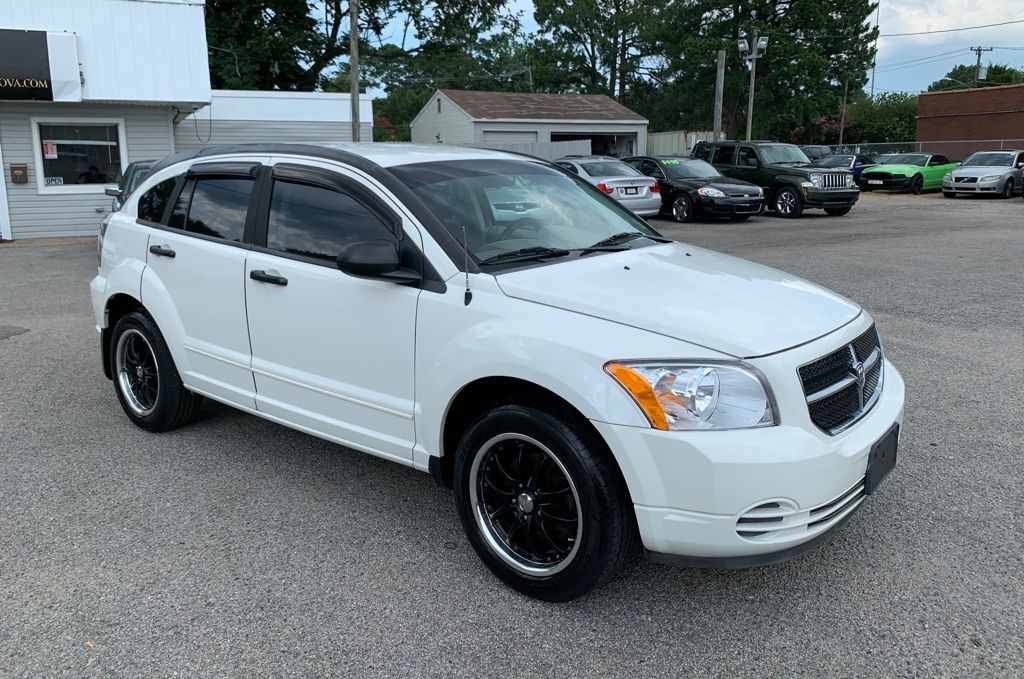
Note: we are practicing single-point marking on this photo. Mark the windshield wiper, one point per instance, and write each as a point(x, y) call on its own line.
point(525, 254)
point(620, 238)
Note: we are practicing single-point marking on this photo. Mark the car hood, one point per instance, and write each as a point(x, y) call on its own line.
point(980, 171)
point(692, 294)
point(893, 169)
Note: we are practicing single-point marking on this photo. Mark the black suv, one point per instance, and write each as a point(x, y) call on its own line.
point(790, 182)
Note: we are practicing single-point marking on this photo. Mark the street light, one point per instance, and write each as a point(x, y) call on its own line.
point(760, 45)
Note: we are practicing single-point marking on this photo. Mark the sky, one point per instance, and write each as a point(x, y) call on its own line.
point(911, 63)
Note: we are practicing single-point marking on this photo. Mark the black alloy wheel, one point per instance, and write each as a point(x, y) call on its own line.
point(138, 374)
point(917, 185)
point(526, 505)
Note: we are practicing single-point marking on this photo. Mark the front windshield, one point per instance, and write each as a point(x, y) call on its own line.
point(781, 154)
point(688, 169)
point(508, 205)
point(836, 161)
point(920, 159)
point(989, 160)
point(609, 168)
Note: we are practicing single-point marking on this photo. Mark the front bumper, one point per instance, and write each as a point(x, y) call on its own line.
point(691, 488)
point(973, 188)
point(830, 198)
point(892, 184)
point(730, 207)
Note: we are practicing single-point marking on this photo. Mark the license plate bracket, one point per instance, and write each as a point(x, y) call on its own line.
point(875, 181)
point(881, 459)
point(632, 191)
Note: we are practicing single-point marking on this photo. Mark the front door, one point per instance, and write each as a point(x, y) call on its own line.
point(194, 280)
point(331, 353)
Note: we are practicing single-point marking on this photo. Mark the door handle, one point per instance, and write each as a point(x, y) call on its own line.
point(264, 277)
point(162, 251)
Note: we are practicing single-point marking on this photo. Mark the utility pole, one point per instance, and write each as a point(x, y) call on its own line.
point(719, 88)
point(353, 63)
point(842, 113)
point(977, 69)
point(874, 59)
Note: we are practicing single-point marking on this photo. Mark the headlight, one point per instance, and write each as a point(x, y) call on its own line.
point(849, 181)
point(760, 191)
point(816, 180)
point(693, 396)
point(947, 178)
point(992, 178)
point(710, 192)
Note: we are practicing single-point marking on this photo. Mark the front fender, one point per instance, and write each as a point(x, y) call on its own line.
point(499, 336)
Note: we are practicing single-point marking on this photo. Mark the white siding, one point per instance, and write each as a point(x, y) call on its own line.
point(452, 123)
point(548, 150)
point(130, 50)
point(193, 134)
point(509, 136)
point(544, 130)
point(147, 135)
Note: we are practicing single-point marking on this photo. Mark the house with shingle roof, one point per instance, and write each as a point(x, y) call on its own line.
point(480, 118)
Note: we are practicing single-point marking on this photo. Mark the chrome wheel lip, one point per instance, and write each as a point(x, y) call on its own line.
point(122, 368)
point(484, 523)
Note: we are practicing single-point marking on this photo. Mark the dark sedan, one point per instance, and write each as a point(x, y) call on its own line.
point(848, 162)
point(692, 188)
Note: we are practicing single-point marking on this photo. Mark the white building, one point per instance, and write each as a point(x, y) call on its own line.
point(89, 86)
point(481, 118)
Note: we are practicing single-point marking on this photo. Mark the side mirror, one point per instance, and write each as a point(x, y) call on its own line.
point(753, 162)
point(112, 191)
point(378, 259)
point(1020, 166)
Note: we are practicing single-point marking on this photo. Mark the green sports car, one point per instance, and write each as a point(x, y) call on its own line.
point(914, 172)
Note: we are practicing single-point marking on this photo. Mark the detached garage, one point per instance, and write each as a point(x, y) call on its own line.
point(481, 118)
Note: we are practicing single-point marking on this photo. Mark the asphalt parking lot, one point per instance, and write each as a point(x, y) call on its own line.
point(239, 547)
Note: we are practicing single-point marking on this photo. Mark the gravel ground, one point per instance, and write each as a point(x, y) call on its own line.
point(239, 547)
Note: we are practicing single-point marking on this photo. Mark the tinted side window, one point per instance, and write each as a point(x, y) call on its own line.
point(219, 206)
point(746, 153)
point(317, 222)
point(940, 160)
point(650, 168)
point(702, 151)
point(723, 155)
point(153, 202)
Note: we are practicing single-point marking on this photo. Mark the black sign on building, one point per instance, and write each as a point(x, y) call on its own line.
point(24, 66)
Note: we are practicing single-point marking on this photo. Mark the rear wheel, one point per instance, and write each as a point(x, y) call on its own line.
point(787, 203)
point(1008, 188)
point(837, 211)
point(541, 503)
point(917, 185)
point(682, 208)
point(146, 381)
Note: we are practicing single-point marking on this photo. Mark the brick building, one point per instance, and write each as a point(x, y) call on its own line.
point(960, 122)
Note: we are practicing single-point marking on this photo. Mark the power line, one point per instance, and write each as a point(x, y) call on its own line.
point(911, 62)
point(953, 30)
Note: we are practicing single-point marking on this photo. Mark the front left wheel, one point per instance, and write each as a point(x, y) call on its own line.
point(541, 502)
point(145, 378)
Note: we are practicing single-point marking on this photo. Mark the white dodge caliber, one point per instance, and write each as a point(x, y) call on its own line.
point(577, 379)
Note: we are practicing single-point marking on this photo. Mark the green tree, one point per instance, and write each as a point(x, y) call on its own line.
point(814, 47)
point(886, 117)
point(962, 76)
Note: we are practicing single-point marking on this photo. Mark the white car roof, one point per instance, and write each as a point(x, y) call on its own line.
point(390, 154)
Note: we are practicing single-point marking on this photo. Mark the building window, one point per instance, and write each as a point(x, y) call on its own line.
point(439, 105)
point(77, 156)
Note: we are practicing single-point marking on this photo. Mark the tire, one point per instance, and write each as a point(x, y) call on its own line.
point(740, 218)
point(787, 203)
point(1008, 189)
point(948, 194)
point(682, 208)
point(542, 552)
point(837, 211)
point(145, 378)
point(917, 184)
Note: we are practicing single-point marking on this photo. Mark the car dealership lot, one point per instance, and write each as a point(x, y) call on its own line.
point(236, 546)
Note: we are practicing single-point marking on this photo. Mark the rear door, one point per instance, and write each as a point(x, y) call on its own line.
point(724, 158)
point(332, 354)
point(194, 282)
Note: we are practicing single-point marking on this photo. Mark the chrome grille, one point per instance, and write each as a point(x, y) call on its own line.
point(782, 520)
point(842, 386)
point(834, 181)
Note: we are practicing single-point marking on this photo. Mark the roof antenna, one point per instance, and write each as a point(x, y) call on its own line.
point(465, 253)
